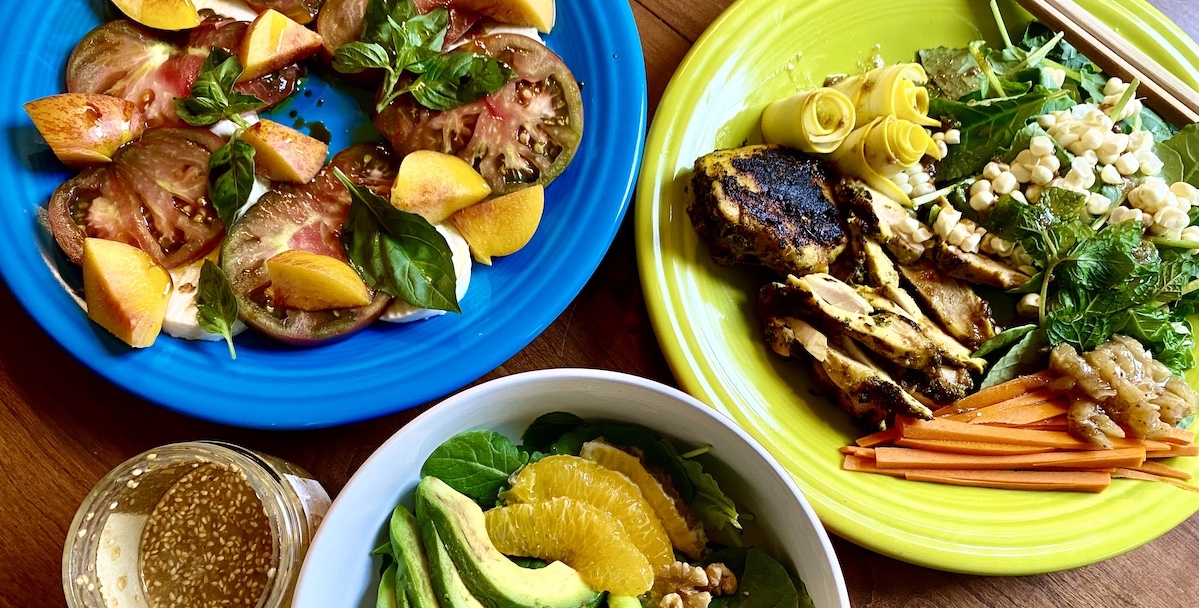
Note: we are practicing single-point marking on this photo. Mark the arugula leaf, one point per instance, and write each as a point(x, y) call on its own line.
point(716, 510)
point(458, 78)
point(230, 178)
point(212, 96)
point(1003, 340)
point(216, 306)
point(1180, 156)
point(475, 463)
point(1025, 357)
point(986, 126)
point(397, 252)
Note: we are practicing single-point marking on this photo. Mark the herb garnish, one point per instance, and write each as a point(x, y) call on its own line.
point(398, 253)
point(212, 96)
point(397, 39)
point(215, 304)
point(230, 178)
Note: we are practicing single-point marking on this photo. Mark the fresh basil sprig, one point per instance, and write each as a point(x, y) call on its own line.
point(230, 178)
point(215, 304)
point(398, 253)
point(212, 96)
point(398, 39)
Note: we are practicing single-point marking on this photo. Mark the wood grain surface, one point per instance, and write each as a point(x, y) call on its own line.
point(62, 427)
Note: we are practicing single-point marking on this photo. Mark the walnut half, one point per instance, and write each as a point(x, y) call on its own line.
point(681, 585)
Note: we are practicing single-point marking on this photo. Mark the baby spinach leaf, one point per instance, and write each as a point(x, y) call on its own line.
point(216, 306)
point(548, 428)
point(475, 463)
point(762, 582)
point(1180, 156)
point(230, 178)
point(1026, 357)
point(212, 96)
point(1004, 339)
point(986, 126)
point(397, 252)
point(955, 72)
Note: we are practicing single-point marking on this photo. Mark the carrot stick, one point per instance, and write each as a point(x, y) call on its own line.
point(879, 438)
point(906, 458)
point(1161, 470)
point(1174, 451)
point(1011, 412)
point(861, 452)
point(1179, 436)
point(998, 393)
point(1135, 474)
point(969, 447)
point(866, 465)
point(961, 431)
point(1028, 399)
point(1067, 481)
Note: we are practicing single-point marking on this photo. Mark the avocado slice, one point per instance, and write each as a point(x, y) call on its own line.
point(387, 589)
point(489, 575)
point(413, 587)
point(447, 583)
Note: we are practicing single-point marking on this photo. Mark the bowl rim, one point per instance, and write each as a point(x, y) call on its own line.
point(417, 426)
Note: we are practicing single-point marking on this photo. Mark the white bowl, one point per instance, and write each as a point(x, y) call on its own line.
point(339, 571)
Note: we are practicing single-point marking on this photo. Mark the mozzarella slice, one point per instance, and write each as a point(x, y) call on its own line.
point(180, 321)
point(400, 311)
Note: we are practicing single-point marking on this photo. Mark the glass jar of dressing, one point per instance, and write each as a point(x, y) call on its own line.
point(192, 524)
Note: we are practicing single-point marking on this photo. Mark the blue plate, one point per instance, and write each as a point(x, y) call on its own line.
point(385, 368)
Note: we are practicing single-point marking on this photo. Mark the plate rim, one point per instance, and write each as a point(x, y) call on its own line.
point(685, 363)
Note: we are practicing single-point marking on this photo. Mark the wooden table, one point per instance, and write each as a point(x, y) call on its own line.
point(62, 427)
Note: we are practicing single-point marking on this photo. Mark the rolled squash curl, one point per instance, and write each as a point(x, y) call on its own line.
point(814, 121)
point(882, 148)
point(894, 89)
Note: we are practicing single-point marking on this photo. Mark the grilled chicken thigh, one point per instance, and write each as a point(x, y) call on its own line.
point(768, 205)
point(975, 268)
point(964, 315)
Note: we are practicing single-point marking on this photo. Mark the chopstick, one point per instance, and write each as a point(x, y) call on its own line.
point(1164, 92)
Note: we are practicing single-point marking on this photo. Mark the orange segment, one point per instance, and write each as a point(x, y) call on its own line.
point(576, 534)
point(684, 531)
point(602, 488)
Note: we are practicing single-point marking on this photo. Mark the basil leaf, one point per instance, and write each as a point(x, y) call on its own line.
point(475, 463)
point(420, 38)
point(230, 178)
point(212, 96)
point(397, 252)
point(458, 78)
point(355, 57)
point(1003, 340)
point(216, 307)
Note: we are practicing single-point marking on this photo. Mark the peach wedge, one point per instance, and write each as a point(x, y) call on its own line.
point(284, 154)
point(434, 185)
point(311, 281)
point(503, 225)
point(85, 129)
point(274, 41)
point(126, 291)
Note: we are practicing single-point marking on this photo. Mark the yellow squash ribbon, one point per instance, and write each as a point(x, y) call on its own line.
point(814, 121)
point(894, 89)
point(882, 148)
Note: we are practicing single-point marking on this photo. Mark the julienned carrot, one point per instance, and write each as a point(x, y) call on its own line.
point(1174, 451)
point(1179, 436)
point(1135, 474)
point(962, 431)
point(866, 465)
point(907, 458)
point(1037, 396)
point(878, 438)
point(1066, 481)
point(1163, 470)
point(860, 452)
point(1015, 412)
point(969, 447)
point(998, 393)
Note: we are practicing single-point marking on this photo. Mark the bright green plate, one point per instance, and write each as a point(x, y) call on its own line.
point(761, 50)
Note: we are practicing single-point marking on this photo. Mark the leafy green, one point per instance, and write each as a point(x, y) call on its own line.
point(1180, 156)
point(212, 96)
point(986, 126)
point(230, 178)
point(397, 252)
point(216, 306)
point(1004, 339)
point(1152, 122)
point(711, 505)
point(548, 428)
point(762, 581)
point(955, 72)
point(475, 463)
point(1025, 357)
point(1063, 53)
point(402, 42)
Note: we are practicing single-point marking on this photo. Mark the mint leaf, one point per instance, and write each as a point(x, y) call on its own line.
point(230, 178)
point(212, 96)
point(216, 306)
point(397, 252)
point(475, 463)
